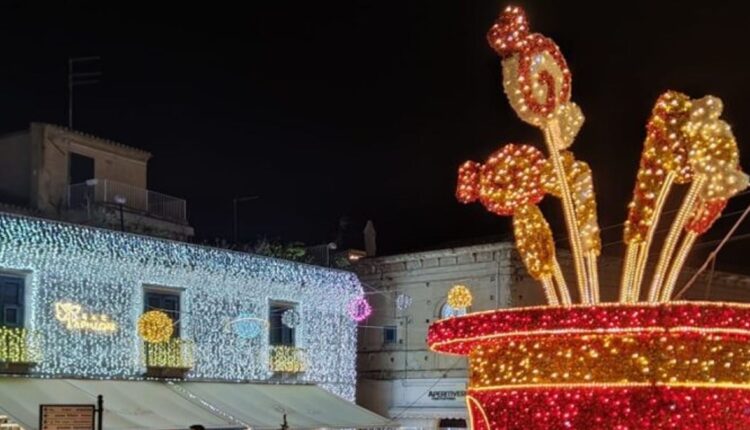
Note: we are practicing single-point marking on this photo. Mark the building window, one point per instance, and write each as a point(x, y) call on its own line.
point(11, 300)
point(278, 332)
point(446, 311)
point(167, 302)
point(81, 168)
point(389, 334)
point(452, 423)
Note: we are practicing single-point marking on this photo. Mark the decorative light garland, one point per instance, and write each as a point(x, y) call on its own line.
point(247, 326)
point(403, 302)
point(108, 271)
point(648, 366)
point(287, 359)
point(563, 366)
point(291, 318)
point(155, 327)
point(359, 309)
point(171, 354)
point(20, 346)
point(459, 297)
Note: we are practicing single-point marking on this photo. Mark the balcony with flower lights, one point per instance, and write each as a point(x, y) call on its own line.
point(287, 359)
point(20, 349)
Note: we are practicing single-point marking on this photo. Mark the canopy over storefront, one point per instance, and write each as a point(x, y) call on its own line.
point(161, 406)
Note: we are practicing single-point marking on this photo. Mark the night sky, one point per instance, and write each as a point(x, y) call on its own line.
point(361, 109)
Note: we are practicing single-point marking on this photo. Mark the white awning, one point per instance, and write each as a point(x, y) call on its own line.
point(127, 404)
point(262, 406)
point(177, 405)
point(428, 412)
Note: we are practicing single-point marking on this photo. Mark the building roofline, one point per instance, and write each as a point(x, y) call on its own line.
point(434, 253)
point(147, 155)
point(177, 242)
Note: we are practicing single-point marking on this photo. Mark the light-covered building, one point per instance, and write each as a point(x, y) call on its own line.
point(247, 339)
point(400, 378)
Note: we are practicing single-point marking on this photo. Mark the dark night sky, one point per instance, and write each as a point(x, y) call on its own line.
point(363, 108)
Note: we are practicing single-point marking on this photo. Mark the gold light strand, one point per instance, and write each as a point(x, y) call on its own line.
point(645, 246)
point(628, 273)
point(549, 290)
point(553, 139)
point(562, 287)
point(671, 241)
point(687, 243)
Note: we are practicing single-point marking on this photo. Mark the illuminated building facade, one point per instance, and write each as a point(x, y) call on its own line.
point(83, 302)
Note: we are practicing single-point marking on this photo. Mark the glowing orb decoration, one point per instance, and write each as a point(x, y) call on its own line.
point(359, 309)
point(155, 327)
point(459, 297)
point(247, 326)
point(646, 366)
point(403, 302)
point(510, 178)
point(291, 318)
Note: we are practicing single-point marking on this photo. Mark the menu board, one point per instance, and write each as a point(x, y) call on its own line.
point(66, 417)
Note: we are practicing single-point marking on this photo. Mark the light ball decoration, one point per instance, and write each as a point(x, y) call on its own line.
point(536, 77)
point(155, 327)
point(247, 326)
point(403, 302)
point(459, 297)
point(291, 318)
point(614, 366)
point(359, 309)
point(510, 178)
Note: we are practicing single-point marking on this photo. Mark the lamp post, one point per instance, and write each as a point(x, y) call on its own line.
point(121, 200)
point(235, 201)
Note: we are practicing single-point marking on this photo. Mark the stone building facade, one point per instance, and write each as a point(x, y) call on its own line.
point(400, 378)
point(64, 174)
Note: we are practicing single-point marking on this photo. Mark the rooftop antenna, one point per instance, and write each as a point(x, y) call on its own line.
point(79, 78)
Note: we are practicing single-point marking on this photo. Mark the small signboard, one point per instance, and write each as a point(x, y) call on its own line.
point(66, 417)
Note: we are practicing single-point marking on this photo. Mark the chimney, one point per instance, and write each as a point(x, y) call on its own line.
point(370, 236)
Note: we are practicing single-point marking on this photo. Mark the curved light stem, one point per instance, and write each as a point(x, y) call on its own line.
point(549, 291)
point(679, 261)
point(554, 141)
point(628, 273)
point(674, 232)
point(645, 246)
point(562, 287)
point(593, 275)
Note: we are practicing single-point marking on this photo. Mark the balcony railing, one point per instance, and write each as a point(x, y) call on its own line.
point(107, 192)
point(172, 354)
point(19, 346)
point(287, 359)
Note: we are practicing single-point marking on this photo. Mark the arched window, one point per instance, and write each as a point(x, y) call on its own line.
point(446, 311)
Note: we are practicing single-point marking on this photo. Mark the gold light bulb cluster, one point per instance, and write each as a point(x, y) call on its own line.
point(155, 327)
point(459, 297)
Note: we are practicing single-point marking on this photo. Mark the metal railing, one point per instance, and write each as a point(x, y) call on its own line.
point(105, 191)
point(19, 345)
point(287, 359)
point(173, 354)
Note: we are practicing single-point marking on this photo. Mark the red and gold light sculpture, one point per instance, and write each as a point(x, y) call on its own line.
point(634, 364)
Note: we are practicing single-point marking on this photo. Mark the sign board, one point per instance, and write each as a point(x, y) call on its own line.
point(66, 417)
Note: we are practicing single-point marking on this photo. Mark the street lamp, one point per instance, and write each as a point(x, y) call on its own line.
point(234, 204)
point(121, 200)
